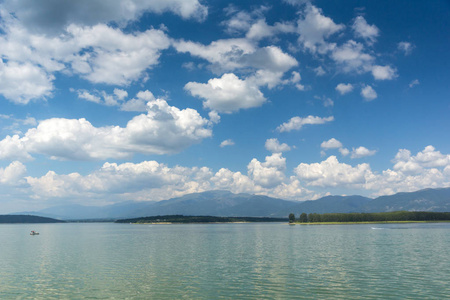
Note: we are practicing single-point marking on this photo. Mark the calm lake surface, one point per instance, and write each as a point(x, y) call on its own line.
point(225, 261)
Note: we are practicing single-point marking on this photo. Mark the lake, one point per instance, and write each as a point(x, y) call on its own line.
point(225, 261)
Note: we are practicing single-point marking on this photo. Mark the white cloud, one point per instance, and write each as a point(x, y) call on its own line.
point(368, 93)
point(343, 88)
point(362, 152)
point(296, 123)
point(384, 72)
point(327, 102)
point(414, 83)
point(100, 54)
point(120, 94)
point(40, 16)
point(428, 158)
point(227, 94)
point(365, 31)
point(164, 129)
point(235, 182)
point(214, 117)
point(148, 180)
point(13, 148)
point(84, 94)
point(151, 180)
point(351, 57)
point(116, 58)
point(118, 98)
point(405, 47)
point(240, 21)
point(226, 143)
point(269, 58)
point(224, 55)
point(344, 151)
point(274, 146)
point(13, 173)
point(331, 144)
point(22, 82)
point(270, 173)
point(139, 103)
point(233, 54)
point(314, 28)
point(319, 71)
point(332, 173)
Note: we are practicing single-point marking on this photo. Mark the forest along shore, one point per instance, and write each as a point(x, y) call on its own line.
point(383, 217)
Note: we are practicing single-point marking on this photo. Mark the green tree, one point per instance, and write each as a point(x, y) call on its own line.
point(303, 218)
point(291, 218)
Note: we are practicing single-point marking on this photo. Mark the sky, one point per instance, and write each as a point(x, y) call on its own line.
point(109, 101)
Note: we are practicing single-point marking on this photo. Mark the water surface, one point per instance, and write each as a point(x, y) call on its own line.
point(225, 261)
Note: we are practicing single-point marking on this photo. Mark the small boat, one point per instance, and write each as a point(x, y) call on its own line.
point(34, 232)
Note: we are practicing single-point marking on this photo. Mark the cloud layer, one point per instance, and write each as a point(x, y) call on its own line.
point(164, 129)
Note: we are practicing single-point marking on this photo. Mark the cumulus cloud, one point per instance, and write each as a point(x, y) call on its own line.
point(233, 54)
point(40, 16)
point(12, 174)
point(332, 173)
point(314, 28)
point(331, 144)
point(274, 146)
point(123, 180)
point(227, 94)
point(428, 158)
point(362, 152)
point(351, 57)
point(344, 151)
point(150, 180)
point(405, 47)
point(22, 82)
point(223, 55)
point(365, 31)
point(384, 72)
point(13, 148)
point(226, 143)
point(116, 58)
point(269, 173)
point(296, 123)
point(368, 93)
point(100, 54)
point(319, 71)
point(327, 102)
point(118, 98)
point(343, 88)
point(414, 83)
point(164, 129)
point(270, 58)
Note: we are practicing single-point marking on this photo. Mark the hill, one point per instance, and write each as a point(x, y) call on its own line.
point(436, 200)
point(10, 219)
point(227, 204)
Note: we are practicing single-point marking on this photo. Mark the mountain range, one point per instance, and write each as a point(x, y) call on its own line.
point(226, 204)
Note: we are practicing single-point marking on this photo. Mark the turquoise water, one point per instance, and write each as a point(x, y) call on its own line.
point(225, 261)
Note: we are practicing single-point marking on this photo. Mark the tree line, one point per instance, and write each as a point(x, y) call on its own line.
point(198, 219)
point(370, 217)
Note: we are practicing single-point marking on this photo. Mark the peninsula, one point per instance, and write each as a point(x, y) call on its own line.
point(180, 219)
point(15, 219)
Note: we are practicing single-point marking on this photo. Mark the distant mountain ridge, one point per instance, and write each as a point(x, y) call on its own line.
point(26, 219)
point(226, 204)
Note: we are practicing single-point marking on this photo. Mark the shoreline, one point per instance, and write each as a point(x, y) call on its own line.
point(366, 222)
point(171, 223)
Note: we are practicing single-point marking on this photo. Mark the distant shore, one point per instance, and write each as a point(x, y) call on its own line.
point(181, 219)
point(367, 222)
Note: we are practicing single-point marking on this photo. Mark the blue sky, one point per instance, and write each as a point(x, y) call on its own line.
point(103, 102)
